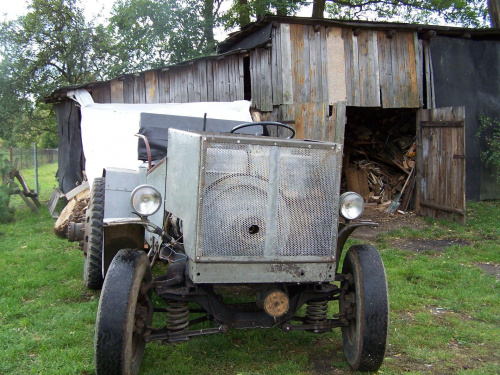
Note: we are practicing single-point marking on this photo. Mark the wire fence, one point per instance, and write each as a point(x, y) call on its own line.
point(25, 157)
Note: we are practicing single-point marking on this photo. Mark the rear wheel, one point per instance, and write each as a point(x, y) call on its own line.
point(93, 240)
point(366, 303)
point(124, 311)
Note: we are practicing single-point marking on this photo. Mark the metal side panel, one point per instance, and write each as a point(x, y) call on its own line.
point(157, 177)
point(183, 169)
point(119, 185)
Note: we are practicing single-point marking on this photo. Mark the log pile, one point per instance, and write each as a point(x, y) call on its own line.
point(78, 200)
point(379, 169)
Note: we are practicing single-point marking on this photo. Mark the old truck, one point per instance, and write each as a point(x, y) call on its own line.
point(226, 211)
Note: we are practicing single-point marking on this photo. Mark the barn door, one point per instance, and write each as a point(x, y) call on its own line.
point(441, 163)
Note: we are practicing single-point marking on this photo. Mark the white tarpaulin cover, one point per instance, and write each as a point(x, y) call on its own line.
point(108, 129)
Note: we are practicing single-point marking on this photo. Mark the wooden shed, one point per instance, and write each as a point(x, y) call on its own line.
point(331, 79)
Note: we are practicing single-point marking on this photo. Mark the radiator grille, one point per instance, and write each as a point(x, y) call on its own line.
point(268, 201)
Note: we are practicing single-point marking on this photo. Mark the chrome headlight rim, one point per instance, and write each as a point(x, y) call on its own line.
point(347, 202)
point(144, 189)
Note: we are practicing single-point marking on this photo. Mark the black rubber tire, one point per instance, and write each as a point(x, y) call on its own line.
point(119, 344)
point(365, 338)
point(94, 236)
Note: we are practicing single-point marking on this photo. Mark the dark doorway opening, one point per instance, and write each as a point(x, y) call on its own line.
point(247, 85)
point(379, 155)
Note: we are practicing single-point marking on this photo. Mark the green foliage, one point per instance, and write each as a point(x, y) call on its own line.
point(48, 140)
point(154, 33)
point(459, 12)
point(489, 132)
point(51, 46)
point(242, 12)
point(6, 212)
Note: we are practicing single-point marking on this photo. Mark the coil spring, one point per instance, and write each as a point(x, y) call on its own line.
point(177, 316)
point(316, 312)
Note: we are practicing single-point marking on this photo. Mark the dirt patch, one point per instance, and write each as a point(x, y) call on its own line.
point(390, 222)
point(387, 222)
point(490, 269)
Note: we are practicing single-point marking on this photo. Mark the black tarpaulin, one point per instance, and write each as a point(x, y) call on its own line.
point(70, 153)
point(155, 128)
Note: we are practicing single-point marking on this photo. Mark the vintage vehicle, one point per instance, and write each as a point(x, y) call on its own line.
point(224, 211)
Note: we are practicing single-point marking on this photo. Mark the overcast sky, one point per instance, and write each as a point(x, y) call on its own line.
point(11, 9)
point(15, 8)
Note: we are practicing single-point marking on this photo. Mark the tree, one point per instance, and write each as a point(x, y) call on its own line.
point(154, 33)
point(465, 13)
point(51, 46)
point(243, 11)
point(318, 9)
point(494, 12)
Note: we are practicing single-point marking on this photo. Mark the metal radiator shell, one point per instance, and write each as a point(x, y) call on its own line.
point(257, 202)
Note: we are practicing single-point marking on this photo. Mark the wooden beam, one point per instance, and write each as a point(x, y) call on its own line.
point(443, 208)
point(442, 124)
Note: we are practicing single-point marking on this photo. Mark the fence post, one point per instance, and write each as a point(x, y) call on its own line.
point(35, 162)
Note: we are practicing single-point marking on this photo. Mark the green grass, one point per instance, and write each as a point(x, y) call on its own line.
point(445, 311)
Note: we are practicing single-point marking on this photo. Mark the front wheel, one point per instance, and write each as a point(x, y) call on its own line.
point(124, 311)
point(366, 305)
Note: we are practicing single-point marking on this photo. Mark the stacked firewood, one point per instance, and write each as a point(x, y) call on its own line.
point(381, 172)
point(78, 200)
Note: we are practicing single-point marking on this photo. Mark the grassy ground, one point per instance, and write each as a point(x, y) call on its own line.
point(445, 310)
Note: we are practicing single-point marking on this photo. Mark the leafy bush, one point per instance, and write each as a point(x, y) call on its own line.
point(489, 131)
point(6, 212)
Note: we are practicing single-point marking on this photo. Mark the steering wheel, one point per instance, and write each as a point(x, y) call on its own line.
point(264, 124)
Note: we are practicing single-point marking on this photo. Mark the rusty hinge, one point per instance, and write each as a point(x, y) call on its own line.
point(458, 156)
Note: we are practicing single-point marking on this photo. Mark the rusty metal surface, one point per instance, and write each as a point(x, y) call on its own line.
point(261, 272)
point(249, 315)
point(276, 303)
point(76, 231)
point(345, 230)
point(117, 237)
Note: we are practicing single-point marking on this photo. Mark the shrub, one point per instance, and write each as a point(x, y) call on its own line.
point(489, 131)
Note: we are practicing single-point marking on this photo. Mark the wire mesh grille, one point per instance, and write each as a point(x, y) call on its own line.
point(309, 184)
point(240, 215)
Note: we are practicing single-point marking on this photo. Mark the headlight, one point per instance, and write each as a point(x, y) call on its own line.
point(351, 205)
point(145, 199)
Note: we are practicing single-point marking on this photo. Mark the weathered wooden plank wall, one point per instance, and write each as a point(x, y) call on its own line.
point(219, 79)
point(383, 69)
point(297, 70)
point(336, 66)
point(441, 163)
point(100, 93)
point(306, 76)
point(117, 91)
